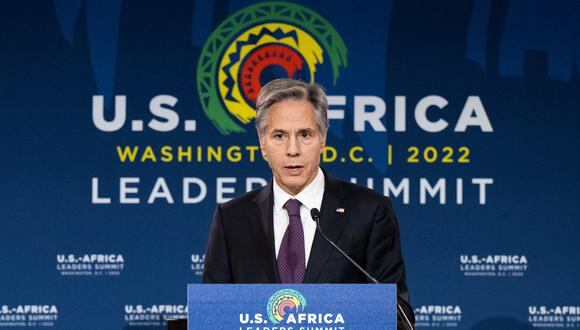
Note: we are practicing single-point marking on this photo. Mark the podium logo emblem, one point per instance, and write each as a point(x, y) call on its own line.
point(284, 302)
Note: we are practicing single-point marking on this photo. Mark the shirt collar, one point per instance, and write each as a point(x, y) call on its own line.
point(308, 195)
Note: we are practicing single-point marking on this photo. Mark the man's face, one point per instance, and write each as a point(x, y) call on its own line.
point(292, 144)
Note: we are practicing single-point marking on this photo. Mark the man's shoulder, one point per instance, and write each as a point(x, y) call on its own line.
point(243, 201)
point(355, 191)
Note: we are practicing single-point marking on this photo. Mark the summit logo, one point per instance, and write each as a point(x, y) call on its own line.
point(560, 316)
point(438, 316)
point(94, 264)
point(28, 315)
point(286, 310)
point(153, 315)
point(499, 265)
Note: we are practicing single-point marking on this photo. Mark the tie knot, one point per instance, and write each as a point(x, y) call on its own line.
point(292, 206)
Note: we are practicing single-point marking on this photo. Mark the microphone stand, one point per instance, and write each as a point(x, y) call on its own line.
point(315, 214)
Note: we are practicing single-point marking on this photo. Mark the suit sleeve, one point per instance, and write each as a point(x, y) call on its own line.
point(384, 255)
point(217, 262)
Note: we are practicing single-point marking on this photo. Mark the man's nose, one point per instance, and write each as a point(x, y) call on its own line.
point(293, 148)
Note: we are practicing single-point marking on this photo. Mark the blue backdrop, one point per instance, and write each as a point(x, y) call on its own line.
point(124, 122)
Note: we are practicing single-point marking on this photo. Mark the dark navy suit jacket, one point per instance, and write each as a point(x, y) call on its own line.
point(241, 240)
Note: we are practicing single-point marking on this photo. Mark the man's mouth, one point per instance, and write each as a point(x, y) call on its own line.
point(294, 169)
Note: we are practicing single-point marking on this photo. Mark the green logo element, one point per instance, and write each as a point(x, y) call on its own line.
point(257, 44)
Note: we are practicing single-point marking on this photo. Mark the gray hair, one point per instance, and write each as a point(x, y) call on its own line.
point(279, 90)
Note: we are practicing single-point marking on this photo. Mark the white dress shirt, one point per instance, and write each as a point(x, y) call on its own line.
point(310, 197)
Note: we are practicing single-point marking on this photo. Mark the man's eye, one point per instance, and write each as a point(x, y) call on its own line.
point(306, 134)
point(278, 136)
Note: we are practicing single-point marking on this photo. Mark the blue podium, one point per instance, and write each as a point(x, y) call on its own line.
point(292, 307)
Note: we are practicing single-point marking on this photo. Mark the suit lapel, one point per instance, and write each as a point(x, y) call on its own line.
point(264, 233)
point(332, 223)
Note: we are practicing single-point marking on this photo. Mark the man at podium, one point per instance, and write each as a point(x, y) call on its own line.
point(268, 235)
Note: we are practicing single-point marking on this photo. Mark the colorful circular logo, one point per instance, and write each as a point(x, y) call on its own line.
point(256, 45)
point(284, 302)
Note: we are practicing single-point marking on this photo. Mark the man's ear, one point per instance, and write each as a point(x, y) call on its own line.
point(322, 143)
point(262, 146)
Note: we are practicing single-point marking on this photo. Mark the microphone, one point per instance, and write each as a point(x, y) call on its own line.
point(315, 214)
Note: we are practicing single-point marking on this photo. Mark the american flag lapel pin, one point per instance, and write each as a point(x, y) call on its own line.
point(340, 210)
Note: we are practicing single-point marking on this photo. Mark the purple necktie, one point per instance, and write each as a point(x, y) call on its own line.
point(291, 264)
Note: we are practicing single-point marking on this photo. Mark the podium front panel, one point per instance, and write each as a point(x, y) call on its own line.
point(291, 307)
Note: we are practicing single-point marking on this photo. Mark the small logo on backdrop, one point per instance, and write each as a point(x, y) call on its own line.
point(438, 316)
point(285, 307)
point(554, 317)
point(197, 261)
point(90, 264)
point(258, 44)
point(284, 302)
point(28, 315)
point(153, 315)
point(499, 265)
